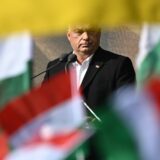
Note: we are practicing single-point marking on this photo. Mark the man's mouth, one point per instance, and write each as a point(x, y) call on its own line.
point(86, 45)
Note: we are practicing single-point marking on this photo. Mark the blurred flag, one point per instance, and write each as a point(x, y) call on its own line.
point(51, 16)
point(130, 128)
point(154, 89)
point(148, 60)
point(15, 56)
point(4, 148)
point(45, 122)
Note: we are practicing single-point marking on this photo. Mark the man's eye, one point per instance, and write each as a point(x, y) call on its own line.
point(93, 31)
point(79, 31)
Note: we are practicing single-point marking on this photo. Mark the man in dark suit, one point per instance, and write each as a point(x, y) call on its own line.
point(99, 72)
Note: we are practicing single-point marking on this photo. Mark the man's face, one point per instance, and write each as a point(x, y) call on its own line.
point(84, 39)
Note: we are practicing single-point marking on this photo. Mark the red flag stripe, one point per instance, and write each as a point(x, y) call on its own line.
point(24, 109)
point(154, 88)
point(4, 148)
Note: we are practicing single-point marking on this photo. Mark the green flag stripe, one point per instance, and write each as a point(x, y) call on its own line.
point(13, 87)
point(113, 140)
point(150, 65)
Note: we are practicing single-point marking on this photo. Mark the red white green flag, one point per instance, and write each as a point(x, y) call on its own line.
point(15, 56)
point(131, 125)
point(148, 59)
point(45, 122)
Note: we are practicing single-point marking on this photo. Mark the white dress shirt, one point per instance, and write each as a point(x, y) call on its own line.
point(81, 69)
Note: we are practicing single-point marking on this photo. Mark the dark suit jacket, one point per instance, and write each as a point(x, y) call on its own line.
point(106, 73)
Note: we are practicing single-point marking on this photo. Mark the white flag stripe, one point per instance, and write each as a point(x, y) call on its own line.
point(142, 46)
point(41, 152)
point(149, 37)
point(63, 118)
point(15, 52)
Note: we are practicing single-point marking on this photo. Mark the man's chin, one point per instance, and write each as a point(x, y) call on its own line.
point(86, 50)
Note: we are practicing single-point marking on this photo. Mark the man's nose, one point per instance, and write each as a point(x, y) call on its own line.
point(85, 35)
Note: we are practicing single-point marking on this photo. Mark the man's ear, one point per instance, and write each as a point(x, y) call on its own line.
point(68, 35)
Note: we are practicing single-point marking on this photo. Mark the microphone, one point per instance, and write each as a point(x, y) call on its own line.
point(71, 58)
point(61, 59)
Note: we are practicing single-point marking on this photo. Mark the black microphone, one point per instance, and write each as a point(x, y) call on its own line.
point(61, 59)
point(71, 58)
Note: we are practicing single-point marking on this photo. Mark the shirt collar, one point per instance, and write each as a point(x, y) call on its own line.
point(86, 61)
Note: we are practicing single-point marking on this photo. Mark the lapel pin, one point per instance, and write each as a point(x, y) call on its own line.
point(97, 66)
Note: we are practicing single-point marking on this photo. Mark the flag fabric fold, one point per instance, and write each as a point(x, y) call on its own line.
point(46, 17)
point(46, 121)
point(148, 59)
point(15, 69)
point(130, 128)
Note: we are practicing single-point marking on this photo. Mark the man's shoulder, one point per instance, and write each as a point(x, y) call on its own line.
point(108, 55)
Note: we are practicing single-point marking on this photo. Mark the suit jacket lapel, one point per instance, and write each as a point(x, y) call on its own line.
point(95, 65)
